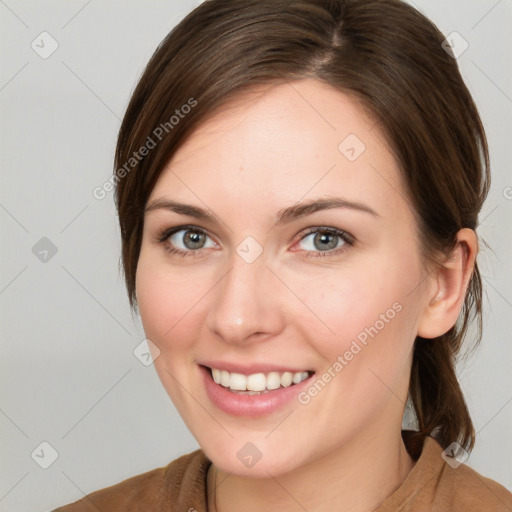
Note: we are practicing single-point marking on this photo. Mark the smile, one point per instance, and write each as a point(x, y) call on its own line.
point(253, 393)
point(257, 383)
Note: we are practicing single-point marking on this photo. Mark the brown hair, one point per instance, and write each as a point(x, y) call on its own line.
point(382, 52)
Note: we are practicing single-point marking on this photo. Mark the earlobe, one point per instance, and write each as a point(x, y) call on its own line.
point(448, 286)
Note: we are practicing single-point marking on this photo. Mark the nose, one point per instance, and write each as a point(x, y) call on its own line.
point(245, 305)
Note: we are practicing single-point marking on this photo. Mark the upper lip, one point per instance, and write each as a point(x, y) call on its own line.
point(250, 369)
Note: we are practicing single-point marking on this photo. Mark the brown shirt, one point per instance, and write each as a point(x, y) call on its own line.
point(432, 485)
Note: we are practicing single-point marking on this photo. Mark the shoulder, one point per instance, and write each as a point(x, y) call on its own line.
point(466, 489)
point(440, 483)
point(181, 480)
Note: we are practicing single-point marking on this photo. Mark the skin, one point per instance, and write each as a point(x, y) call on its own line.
point(274, 148)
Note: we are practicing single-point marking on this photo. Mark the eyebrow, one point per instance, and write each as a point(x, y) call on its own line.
point(284, 215)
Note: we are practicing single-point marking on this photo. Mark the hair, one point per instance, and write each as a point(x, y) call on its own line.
point(391, 59)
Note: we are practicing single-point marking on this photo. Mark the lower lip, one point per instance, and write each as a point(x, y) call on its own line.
point(250, 405)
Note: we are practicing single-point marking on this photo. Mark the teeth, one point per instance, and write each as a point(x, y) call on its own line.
point(273, 380)
point(238, 382)
point(257, 382)
point(286, 379)
point(224, 378)
point(299, 377)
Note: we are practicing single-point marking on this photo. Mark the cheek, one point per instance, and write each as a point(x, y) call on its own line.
point(367, 312)
point(359, 299)
point(168, 304)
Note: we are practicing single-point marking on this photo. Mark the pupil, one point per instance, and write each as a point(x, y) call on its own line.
point(194, 238)
point(324, 238)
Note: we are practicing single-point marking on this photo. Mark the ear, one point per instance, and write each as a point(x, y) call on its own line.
point(447, 287)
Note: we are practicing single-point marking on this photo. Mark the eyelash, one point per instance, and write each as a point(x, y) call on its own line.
point(348, 240)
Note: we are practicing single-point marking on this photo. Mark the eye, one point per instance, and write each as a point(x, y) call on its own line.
point(185, 240)
point(319, 241)
point(326, 241)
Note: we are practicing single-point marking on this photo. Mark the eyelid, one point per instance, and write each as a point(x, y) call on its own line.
point(166, 233)
point(328, 229)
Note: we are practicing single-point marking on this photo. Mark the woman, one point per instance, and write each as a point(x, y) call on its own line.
point(298, 186)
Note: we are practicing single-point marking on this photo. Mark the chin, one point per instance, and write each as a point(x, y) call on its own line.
point(256, 459)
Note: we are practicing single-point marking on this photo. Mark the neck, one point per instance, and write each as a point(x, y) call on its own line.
point(353, 478)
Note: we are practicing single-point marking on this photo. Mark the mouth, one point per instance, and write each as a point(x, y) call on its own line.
point(257, 383)
point(252, 391)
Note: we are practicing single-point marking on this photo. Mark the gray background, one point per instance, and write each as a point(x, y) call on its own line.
point(68, 373)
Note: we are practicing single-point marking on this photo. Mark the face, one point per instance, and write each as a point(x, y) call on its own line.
point(319, 305)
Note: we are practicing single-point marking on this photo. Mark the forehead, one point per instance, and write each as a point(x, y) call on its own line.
point(282, 142)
